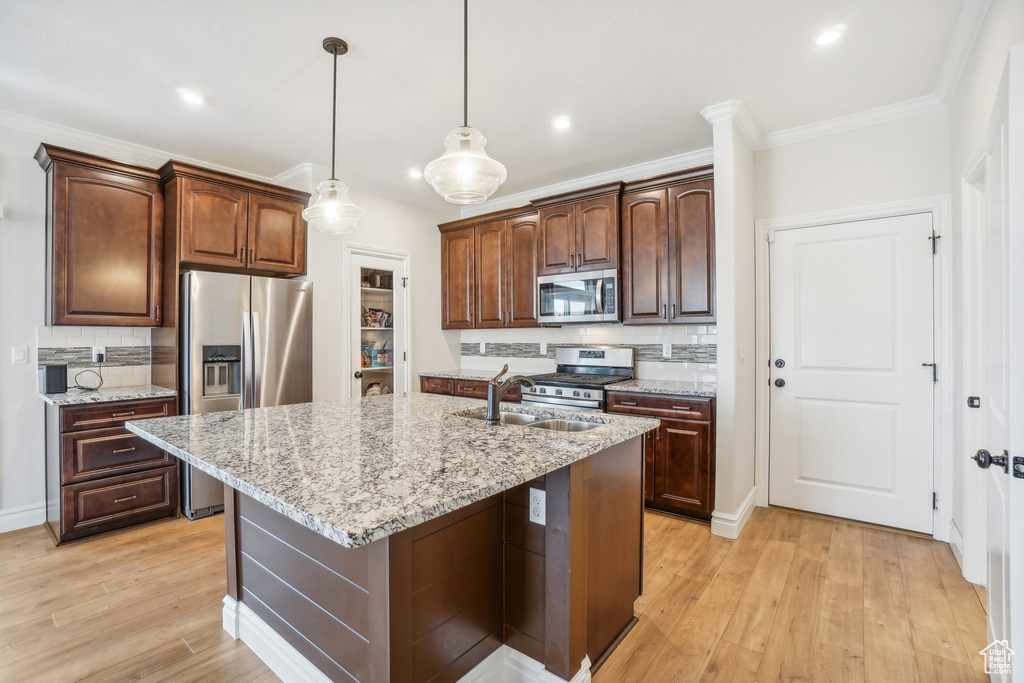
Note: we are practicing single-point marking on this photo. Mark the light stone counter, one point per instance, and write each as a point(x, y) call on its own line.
point(358, 470)
point(108, 395)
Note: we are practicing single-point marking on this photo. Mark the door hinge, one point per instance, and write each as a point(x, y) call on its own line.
point(935, 370)
point(935, 242)
point(935, 500)
point(405, 282)
point(403, 355)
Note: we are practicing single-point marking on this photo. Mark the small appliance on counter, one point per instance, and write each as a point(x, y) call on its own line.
point(55, 379)
point(580, 377)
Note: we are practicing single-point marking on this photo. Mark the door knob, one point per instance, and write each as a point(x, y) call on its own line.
point(986, 460)
point(358, 374)
point(780, 382)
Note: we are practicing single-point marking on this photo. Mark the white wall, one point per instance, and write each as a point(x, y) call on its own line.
point(391, 224)
point(897, 160)
point(22, 192)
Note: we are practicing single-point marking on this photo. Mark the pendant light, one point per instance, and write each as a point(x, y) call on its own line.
point(464, 174)
point(331, 211)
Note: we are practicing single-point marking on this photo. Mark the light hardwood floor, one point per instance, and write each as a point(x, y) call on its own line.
point(795, 598)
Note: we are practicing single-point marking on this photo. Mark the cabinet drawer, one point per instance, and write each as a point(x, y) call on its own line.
point(436, 385)
point(116, 502)
point(471, 388)
point(667, 406)
point(97, 453)
point(93, 416)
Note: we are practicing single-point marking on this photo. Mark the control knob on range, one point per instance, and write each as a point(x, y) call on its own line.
point(576, 393)
point(542, 390)
point(558, 392)
point(586, 394)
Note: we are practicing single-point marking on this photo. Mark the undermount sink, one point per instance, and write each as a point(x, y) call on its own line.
point(565, 425)
point(506, 418)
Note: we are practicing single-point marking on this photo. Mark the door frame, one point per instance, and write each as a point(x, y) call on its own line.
point(940, 208)
point(349, 251)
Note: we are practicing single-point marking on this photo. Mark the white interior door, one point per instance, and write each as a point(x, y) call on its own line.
point(851, 432)
point(1002, 306)
point(378, 354)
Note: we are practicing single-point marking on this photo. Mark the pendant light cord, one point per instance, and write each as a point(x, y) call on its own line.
point(465, 63)
point(334, 113)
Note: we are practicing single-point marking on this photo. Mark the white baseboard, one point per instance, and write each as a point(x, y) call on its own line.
point(22, 517)
point(729, 525)
point(956, 542)
point(504, 665)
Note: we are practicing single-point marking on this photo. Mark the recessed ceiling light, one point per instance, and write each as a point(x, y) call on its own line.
point(415, 173)
point(561, 122)
point(190, 96)
point(829, 34)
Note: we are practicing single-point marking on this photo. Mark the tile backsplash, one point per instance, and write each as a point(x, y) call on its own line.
point(127, 361)
point(693, 350)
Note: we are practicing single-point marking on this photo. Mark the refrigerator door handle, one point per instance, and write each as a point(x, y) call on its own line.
point(256, 360)
point(247, 378)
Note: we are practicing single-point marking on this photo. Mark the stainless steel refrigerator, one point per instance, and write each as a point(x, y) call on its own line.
point(246, 342)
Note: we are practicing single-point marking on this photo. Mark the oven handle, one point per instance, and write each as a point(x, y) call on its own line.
point(560, 401)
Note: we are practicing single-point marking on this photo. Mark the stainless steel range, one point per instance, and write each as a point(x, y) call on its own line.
point(581, 376)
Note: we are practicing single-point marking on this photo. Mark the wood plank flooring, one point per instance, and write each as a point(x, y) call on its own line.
point(800, 598)
point(796, 597)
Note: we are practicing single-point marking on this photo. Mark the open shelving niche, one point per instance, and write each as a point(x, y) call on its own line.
point(376, 338)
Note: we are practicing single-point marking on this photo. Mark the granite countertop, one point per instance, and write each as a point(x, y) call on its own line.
point(358, 470)
point(660, 386)
point(108, 395)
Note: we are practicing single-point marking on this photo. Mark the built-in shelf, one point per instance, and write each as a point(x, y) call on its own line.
point(379, 329)
point(380, 368)
point(376, 289)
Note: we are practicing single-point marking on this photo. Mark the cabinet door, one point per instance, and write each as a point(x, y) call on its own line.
point(276, 235)
point(597, 233)
point(457, 279)
point(491, 261)
point(521, 274)
point(683, 468)
point(644, 257)
point(213, 224)
point(556, 252)
point(691, 244)
point(106, 236)
point(650, 448)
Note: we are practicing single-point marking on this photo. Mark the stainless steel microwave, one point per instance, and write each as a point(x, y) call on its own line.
point(578, 298)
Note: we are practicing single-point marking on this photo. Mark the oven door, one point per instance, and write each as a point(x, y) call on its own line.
point(578, 297)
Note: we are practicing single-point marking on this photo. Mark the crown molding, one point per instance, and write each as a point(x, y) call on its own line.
point(647, 169)
point(968, 24)
point(870, 117)
point(297, 178)
point(738, 112)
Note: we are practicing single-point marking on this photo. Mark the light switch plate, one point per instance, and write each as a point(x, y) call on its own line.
point(19, 355)
point(666, 350)
point(543, 348)
point(483, 348)
point(537, 509)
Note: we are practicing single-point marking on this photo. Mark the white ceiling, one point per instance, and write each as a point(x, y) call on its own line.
point(633, 75)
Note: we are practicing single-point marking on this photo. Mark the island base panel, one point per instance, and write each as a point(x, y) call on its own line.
point(431, 602)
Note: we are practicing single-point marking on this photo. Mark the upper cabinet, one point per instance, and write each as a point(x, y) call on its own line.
point(668, 249)
point(489, 273)
point(104, 240)
point(579, 231)
point(228, 222)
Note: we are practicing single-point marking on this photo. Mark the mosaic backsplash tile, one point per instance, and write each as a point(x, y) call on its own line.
point(116, 356)
point(681, 353)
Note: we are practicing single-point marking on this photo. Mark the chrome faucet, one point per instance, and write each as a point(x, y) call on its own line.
point(496, 389)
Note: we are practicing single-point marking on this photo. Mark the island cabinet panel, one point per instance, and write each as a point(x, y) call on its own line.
point(524, 574)
point(104, 239)
point(458, 279)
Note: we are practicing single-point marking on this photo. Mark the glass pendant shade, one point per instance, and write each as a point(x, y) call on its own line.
point(330, 211)
point(464, 174)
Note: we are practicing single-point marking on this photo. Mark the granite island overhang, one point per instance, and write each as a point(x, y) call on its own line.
point(389, 538)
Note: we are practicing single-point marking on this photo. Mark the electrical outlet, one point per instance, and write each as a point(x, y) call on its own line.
point(98, 354)
point(483, 348)
point(19, 355)
point(537, 510)
point(543, 348)
point(666, 350)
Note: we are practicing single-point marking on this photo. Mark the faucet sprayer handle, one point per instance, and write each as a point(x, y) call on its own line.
point(497, 378)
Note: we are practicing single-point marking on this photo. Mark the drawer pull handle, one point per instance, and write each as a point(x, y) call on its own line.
point(627, 403)
point(685, 410)
point(121, 500)
point(129, 414)
point(468, 388)
point(124, 450)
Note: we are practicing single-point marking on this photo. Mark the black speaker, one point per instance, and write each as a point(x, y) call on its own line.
point(55, 379)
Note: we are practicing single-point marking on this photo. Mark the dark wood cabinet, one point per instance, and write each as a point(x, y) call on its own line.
point(679, 455)
point(668, 250)
point(468, 388)
point(104, 240)
point(579, 231)
point(491, 256)
point(226, 222)
point(521, 281)
point(101, 477)
point(458, 279)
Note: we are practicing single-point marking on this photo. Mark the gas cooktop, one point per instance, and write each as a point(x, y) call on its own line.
point(572, 379)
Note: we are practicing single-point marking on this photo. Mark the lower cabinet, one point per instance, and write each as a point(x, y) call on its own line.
point(679, 456)
point(469, 388)
point(101, 477)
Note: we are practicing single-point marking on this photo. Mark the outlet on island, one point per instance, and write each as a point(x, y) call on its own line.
point(537, 512)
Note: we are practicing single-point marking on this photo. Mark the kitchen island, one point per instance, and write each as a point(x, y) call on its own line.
point(390, 538)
